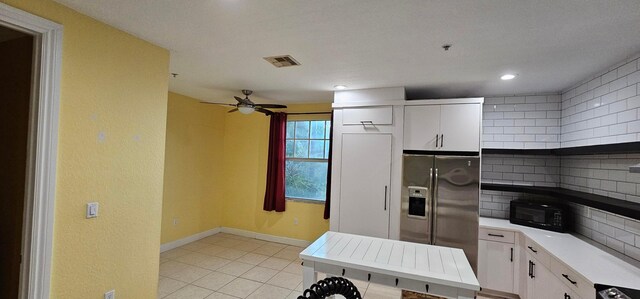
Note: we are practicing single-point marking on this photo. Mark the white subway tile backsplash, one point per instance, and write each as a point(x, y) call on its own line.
point(626, 92)
point(618, 129)
point(618, 84)
point(634, 127)
point(627, 69)
point(633, 102)
point(610, 76)
point(514, 100)
point(514, 115)
point(536, 114)
point(634, 78)
point(508, 122)
point(504, 122)
point(612, 99)
point(535, 99)
point(609, 98)
point(632, 251)
point(627, 116)
point(615, 244)
point(524, 107)
point(494, 100)
point(600, 91)
point(535, 130)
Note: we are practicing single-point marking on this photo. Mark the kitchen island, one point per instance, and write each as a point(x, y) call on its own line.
point(436, 270)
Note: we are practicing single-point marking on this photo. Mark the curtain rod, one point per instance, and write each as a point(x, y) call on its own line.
point(302, 113)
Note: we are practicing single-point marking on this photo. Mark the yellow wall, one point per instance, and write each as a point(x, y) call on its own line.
point(246, 149)
point(114, 84)
point(193, 175)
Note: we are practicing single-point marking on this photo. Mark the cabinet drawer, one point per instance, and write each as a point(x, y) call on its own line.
point(368, 116)
point(497, 235)
point(538, 252)
point(572, 279)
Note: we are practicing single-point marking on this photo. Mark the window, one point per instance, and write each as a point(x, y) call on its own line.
point(307, 151)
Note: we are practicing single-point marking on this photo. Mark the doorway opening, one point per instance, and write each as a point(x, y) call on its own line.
point(31, 56)
point(16, 58)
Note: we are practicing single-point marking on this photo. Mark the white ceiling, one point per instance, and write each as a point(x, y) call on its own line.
point(217, 45)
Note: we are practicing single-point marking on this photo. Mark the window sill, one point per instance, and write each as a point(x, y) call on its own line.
point(305, 200)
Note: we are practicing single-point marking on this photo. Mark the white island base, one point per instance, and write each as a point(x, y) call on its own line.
point(439, 271)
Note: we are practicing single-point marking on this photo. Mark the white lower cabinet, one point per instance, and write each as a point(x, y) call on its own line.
point(541, 283)
point(510, 262)
point(496, 265)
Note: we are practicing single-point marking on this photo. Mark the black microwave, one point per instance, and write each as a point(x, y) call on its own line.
point(544, 215)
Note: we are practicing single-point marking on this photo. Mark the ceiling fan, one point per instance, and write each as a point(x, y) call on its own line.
point(246, 106)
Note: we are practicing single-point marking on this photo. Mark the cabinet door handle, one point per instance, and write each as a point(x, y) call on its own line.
point(437, 136)
point(495, 235)
point(365, 122)
point(533, 270)
point(441, 140)
point(531, 248)
point(529, 268)
point(385, 198)
point(511, 254)
point(569, 279)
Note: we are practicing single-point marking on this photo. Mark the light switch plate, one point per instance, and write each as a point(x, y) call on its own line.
point(92, 210)
point(110, 294)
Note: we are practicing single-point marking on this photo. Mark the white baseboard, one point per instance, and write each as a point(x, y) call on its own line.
point(233, 231)
point(177, 243)
point(266, 237)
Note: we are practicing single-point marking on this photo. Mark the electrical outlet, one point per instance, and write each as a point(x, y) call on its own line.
point(295, 221)
point(175, 221)
point(110, 294)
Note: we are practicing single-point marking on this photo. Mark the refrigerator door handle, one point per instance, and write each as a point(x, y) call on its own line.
point(434, 209)
point(437, 136)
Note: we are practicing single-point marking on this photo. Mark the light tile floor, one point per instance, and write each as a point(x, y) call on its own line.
point(225, 266)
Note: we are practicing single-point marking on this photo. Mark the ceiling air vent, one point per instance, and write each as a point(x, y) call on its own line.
point(282, 61)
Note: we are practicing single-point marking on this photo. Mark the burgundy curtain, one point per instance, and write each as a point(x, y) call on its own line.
point(274, 195)
point(327, 203)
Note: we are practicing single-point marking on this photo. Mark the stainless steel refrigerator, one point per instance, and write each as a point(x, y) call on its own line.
point(440, 196)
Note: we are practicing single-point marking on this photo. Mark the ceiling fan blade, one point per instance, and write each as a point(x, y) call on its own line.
point(223, 104)
point(232, 110)
point(265, 111)
point(240, 100)
point(271, 106)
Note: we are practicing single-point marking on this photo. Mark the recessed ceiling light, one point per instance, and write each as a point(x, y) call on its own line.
point(340, 87)
point(507, 76)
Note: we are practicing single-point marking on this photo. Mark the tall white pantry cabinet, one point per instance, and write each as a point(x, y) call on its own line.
point(369, 136)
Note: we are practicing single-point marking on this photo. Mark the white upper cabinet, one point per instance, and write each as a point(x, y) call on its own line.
point(421, 127)
point(460, 127)
point(442, 127)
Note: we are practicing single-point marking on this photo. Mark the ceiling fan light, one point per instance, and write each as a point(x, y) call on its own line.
point(246, 110)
